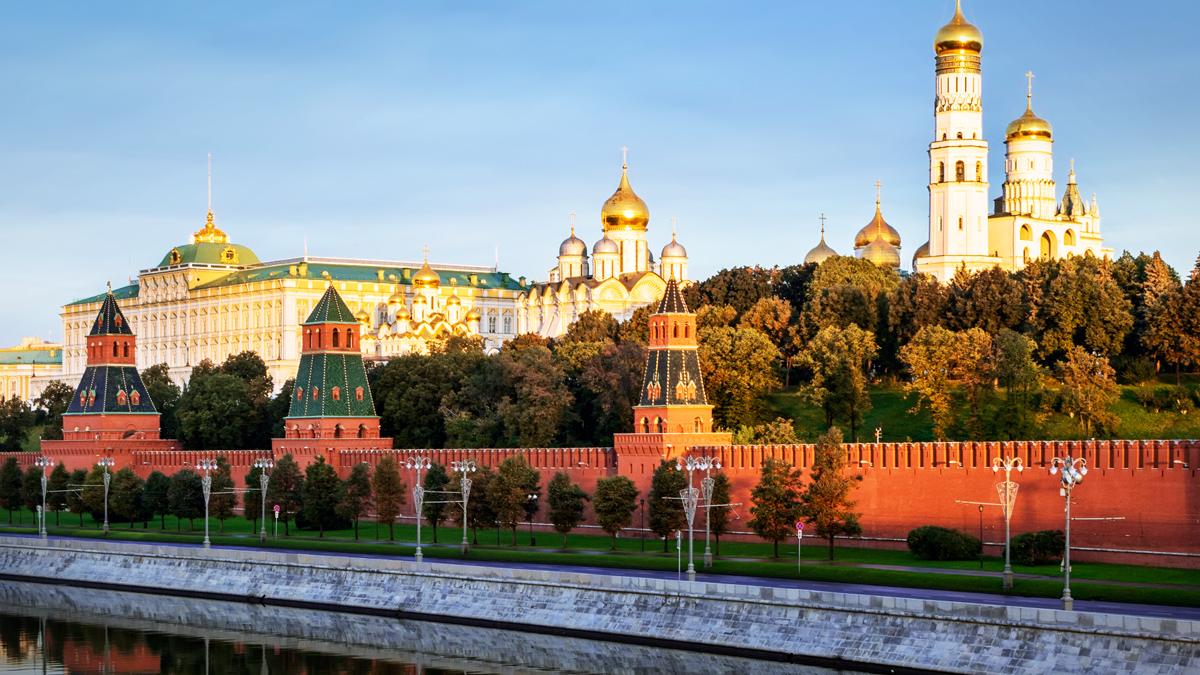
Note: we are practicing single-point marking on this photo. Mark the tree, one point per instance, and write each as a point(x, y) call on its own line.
point(739, 365)
point(613, 379)
point(479, 507)
point(636, 329)
point(156, 496)
point(775, 318)
point(775, 502)
point(838, 359)
point(75, 502)
point(566, 504)
point(93, 493)
point(125, 500)
point(928, 358)
point(389, 493)
point(222, 498)
point(436, 481)
point(918, 301)
point(356, 497)
point(514, 482)
point(165, 394)
point(1185, 310)
point(252, 498)
point(538, 407)
point(216, 412)
point(825, 503)
point(49, 407)
point(718, 516)
point(57, 490)
point(614, 502)
point(16, 418)
point(320, 496)
point(594, 325)
point(972, 366)
point(780, 431)
point(31, 488)
point(186, 497)
point(1075, 301)
point(10, 487)
point(1019, 375)
point(284, 489)
point(847, 290)
point(738, 287)
point(988, 299)
point(1089, 389)
point(408, 392)
point(666, 508)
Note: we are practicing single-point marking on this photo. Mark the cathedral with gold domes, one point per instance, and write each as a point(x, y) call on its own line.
point(621, 276)
point(1028, 221)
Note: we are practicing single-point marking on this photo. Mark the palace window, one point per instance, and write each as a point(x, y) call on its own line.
point(115, 349)
point(336, 340)
point(645, 425)
point(697, 425)
point(1069, 238)
point(121, 397)
point(979, 171)
point(135, 398)
point(960, 135)
point(125, 350)
point(491, 324)
point(316, 393)
point(299, 393)
point(675, 333)
point(1026, 233)
point(960, 171)
point(960, 223)
point(336, 392)
point(941, 172)
point(358, 393)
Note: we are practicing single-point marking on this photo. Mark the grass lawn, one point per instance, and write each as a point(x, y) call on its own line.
point(740, 558)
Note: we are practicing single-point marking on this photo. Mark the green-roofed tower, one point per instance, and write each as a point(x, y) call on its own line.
point(331, 398)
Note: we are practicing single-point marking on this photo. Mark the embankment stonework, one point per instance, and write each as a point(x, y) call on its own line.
point(850, 628)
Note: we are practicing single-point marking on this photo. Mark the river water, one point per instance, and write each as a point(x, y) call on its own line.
point(49, 629)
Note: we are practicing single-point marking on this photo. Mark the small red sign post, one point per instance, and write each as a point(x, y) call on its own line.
point(799, 542)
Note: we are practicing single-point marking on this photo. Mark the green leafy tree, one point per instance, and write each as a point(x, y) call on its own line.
point(49, 407)
point(408, 392)
point(780, 431)
point(125, 496)
point(739, 366)
point(594, 325)
point(75, 502)
point(846, 290)
point(16, 418)
point(711, 317)
point(987, 299)
point(540, 402)
point(738, 287)
point(216, 412)
point(222, 499)
point(917, 301)
point(1018, 373)
point(775, 502)
point(186, 496)
point(320, 496)
point(666, 508)
point(156, 496)
point(972, 364)
point(252, 498)
point(636, 329)
point(10, 487)
point(1075, 301)
point(356, 496)
point(57, 488)
point(566, 504)
point(284, 489)
point(1089, 390)
point(31, 488)
point(613, 381)
point(825, 503)
point(718, 516)
point(928, 357)
point(480, 513)
point(279, 407)
point(509, 491)
point(471, 412)
point(389, 492)
point(434, 506)
point(1185, 310)
point(838, 359)
point(614, 502)
point(165, 394)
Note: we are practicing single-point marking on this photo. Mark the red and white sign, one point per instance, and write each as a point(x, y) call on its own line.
point(276, 510)
point(799, 525)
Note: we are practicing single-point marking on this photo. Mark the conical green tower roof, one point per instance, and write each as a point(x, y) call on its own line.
point(331, 382)
point(330, 309)
point(110, 320)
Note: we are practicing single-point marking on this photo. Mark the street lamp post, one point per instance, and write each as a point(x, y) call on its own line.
point(106, 463)
point(1072, 471)
point(1008, 497)
point(643, 527)
point(691, 498)
point(264, 466)
point(464, 466)
point(43, 462)
point(532, 498)
point(418, 464)
point(205, 467)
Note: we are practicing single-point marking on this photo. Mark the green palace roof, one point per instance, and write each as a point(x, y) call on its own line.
point(365, 272)
point(49, 356)
point(209, 254)
point(122, 293)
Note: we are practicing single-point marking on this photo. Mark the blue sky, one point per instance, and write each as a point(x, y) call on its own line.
point(373, 129)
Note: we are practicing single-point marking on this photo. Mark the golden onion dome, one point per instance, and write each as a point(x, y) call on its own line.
point(473, 314)
point(1029, 125)
point(396, 298)
point(878, 228)
point(958, 35)
point(402, 313)
point(453, 301)
point(363, 317)
point(822, 251)
point(922, 252)
point(624, 210)
point(420, 300)
point(426, 277)
point(881, 253)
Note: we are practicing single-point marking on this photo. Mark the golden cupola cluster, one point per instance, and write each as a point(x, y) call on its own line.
point(624, 210)
point(958, 36)
point(878, 241)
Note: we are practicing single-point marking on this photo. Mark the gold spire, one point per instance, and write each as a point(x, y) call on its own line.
point(1029, 125)
point(959, 35)
point(624, 210)
point(210, 233)
point(426, 277)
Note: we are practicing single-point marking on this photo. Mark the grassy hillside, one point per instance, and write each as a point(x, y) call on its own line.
point(890, 410)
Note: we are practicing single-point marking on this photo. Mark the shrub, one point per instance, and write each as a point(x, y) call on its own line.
point(1134, 369)
point(931, 542)
point(1038, 548)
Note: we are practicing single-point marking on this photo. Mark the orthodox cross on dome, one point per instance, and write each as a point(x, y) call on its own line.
point(624, 156)
point(674, 226)
point(1029, 89)
point(878, 191)
point(572, 214)
point(425, 252)
point(822, 219)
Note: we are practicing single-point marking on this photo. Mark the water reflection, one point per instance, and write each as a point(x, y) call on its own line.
point(48, 629)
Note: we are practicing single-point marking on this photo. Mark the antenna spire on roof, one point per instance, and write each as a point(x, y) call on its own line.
point(110, 286)
point(210, 183)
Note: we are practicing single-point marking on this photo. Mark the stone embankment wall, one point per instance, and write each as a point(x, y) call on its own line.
point(839, 629)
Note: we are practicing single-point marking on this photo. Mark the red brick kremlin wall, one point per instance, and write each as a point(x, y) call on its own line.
point(1153, 485)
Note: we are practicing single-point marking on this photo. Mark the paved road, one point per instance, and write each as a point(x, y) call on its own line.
point(1192, 613)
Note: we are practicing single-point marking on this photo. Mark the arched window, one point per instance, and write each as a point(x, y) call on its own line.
point(349, 338)
point(960, 222)
point(358, 393)
point(125, 350)
point(316, 393)
point(960, 171)
point(645, 424)
point(299, 393)
point(675, 331)
point(687, 330)
point(336, 392)
point(318, 333)
point(1025, 255)
point(135, 398)
point(1069, 238)
point(660, 426)
point(362, 431)
point(941, 172)
point(1047, 246)
point(115, 349)
point(960, 135)
point(336, 338)
point(979, 172)
point(1026, 232)
point(698, 425)
point(337, 431)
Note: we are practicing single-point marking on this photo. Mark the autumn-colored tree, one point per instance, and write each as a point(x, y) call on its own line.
point(1089, 390)
point(825, 503)
point(509, 492)
point(776, 319)
point(928, 357)
point(775, 502)
point(535, 414)
point(838, 359)
point(739, 366)
point(780, 431)
point(636, 329)
point(356, 495)
point(614, 502)
point(566, 504)
point(666, 508)
point(389, 491)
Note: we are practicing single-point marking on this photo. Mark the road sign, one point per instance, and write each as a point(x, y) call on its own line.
point(276, 510)
point(799, 525)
